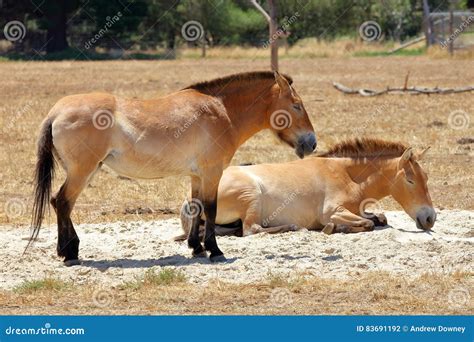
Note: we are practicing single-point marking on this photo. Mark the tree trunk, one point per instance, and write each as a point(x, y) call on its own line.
point(272, 25)
point(451, 28)
point(273, 34)
point(427, 27)
point(56, 16)
point(170, 44)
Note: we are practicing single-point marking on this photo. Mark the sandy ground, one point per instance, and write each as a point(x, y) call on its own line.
point(114, 253)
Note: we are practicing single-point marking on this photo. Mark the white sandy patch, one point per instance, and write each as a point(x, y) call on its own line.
point(113, 253)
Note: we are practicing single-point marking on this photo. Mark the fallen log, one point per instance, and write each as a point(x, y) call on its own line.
point(402, 90)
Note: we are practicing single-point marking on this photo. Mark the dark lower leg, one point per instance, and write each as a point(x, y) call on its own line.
point(68, 241)
point(377, 219)
point(194, 241)
point(210, 243)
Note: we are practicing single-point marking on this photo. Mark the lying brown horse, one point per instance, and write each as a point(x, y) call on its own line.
point(194, 132)
point(329, 191)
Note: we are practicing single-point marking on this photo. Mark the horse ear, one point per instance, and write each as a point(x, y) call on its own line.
point(406, 156)
point(420, 155)
point(282, 83)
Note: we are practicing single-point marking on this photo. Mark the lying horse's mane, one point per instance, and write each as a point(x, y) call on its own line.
point(240, 77)
point(365, 148)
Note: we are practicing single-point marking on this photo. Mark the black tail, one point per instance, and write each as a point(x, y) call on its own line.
point(44, 174)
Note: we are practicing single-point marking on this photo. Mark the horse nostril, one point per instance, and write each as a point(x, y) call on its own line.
point(314, 146)
point(429, 220)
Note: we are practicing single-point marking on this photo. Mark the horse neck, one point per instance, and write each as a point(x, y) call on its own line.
point(374, 177)
point(247, 106)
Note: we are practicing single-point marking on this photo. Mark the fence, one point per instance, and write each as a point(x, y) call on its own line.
point(454, 30)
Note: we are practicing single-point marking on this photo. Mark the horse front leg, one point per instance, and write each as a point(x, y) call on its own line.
point(344, 221)
point(256, 229)
point(192, 211)
point(378, 219)
point(209, 194)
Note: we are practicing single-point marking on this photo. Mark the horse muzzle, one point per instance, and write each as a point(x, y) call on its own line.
point(305, 145)
point(425, 218)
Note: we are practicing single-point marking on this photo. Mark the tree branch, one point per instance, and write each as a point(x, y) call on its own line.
point(260, 8)
point(402, 90)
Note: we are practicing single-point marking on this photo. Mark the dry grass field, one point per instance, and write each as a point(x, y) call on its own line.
point(445, 122)
point(169, 293)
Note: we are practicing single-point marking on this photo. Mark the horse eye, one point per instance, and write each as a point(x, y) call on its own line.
point(410, 181)
point(297, 106)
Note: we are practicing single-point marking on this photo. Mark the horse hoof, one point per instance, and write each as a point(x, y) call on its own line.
point(218, 258)
point(329, 228)
point(382, 220)
point(202, 254)
point(72, 262)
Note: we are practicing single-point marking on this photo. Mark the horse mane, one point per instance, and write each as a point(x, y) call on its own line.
point(365, 148)
point(221, 82)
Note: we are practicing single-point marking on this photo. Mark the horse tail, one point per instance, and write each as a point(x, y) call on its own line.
point(44, 174)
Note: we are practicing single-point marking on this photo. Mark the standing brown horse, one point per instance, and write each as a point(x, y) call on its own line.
point(193, 132)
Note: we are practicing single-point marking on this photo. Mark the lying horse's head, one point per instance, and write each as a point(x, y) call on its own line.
point(410, 190)
point(289, 120)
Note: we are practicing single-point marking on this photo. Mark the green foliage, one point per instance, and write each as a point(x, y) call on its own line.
point(48, 283)
point(166, 277)
point(224, 21)
point(56, 26)
point(406, 52)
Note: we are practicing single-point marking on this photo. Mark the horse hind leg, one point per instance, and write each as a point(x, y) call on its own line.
point(63, 203)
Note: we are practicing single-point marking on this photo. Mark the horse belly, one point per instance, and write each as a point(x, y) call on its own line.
point(134, 165)
point(289, 209)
